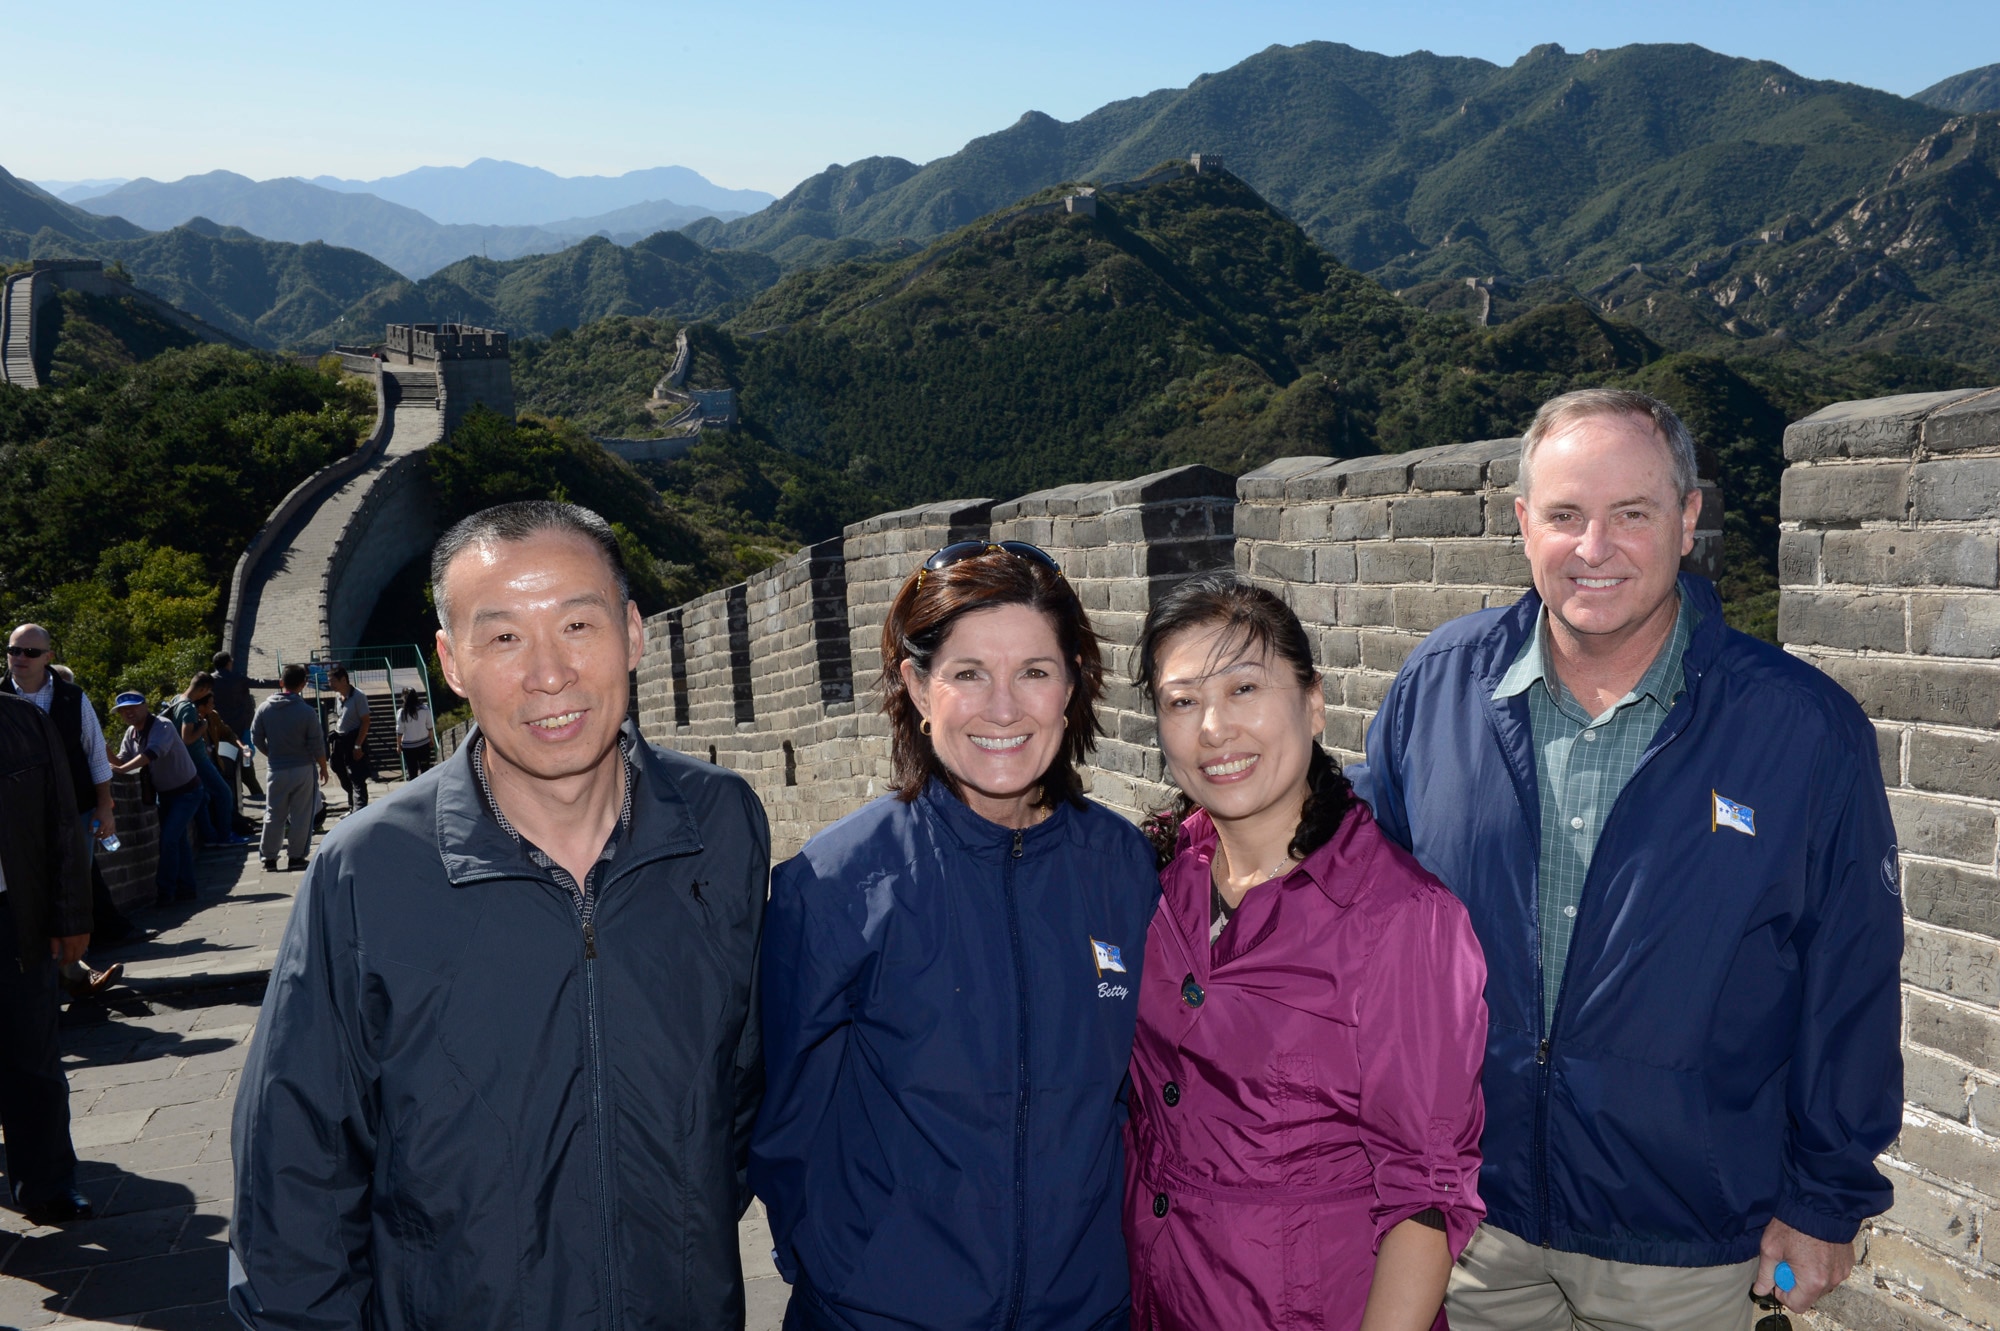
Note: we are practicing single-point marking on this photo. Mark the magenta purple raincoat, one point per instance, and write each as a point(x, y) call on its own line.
point(1308, 1086)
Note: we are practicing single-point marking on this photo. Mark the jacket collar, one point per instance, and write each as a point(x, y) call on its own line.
point(475, 849)
point(985, 838)
point(1494, 653)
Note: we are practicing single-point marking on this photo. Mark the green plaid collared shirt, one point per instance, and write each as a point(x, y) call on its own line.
point(1581, 766)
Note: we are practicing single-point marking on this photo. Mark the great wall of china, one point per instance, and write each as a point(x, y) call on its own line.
point(1890, 572)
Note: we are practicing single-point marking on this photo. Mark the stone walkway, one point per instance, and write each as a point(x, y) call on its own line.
point(152, 1074)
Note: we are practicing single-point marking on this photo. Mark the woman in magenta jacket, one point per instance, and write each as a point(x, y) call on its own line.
point(1305, 1107)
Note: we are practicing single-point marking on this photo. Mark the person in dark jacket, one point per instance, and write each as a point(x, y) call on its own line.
point(950, 981)
point(508, 1063)
point(1676, 850)
point(44, 926)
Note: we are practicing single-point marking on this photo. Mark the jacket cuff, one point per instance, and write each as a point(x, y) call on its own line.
point(1815, 1224)
point(1460, 1219)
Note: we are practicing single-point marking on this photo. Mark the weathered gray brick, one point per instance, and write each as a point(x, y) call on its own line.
point(1954, 964)
point(1956, 490)
point(1955, 764)
point(1933, 1082)
point(1910, 689)
point(1368, 606)
point(1947, 829)
point(1847, 493)
point(1339, 648)
point(1421, 609)
point(1334, 563)
point(1481, 563)
point(1385, 475)
point(1841, 619)
point(1292, 562)
point(1955, 625)
point(1969, 1034)
point(1889, 749)
point(1798, 558)
point(1269, 481)
point(1963, 426)
point(1392, 561)
point(1501, 520)
point(1304, 522)
point(1314, 603)
point(1875, 427)
point(1258, 522)
point(1360, 520)
point(1893, 558)
point(1964, 1157)
point(1953, 897)
point(1364, 689)
point(1386, 651)
point(1422, 516)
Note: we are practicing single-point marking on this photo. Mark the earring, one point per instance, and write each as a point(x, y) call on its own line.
point(924, 726)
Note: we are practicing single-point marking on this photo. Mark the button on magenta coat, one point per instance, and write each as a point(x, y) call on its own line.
point(1308, 1087)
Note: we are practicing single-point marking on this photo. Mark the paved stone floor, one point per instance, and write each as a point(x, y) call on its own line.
point(152, 1074)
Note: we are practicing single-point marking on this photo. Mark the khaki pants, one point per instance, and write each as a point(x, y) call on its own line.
point(1504, 1283)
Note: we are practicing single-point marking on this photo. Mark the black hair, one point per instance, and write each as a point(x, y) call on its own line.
point(518, 521)
point(412, 702)
point(1251, 619)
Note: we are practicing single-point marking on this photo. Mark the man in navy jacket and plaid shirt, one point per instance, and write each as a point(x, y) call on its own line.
point(1676, 850)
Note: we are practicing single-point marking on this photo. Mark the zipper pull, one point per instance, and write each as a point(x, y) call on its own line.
point(1017, 843)
point(1542, 1053)
point(590, 944)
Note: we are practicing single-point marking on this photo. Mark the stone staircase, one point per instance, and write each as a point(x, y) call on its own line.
point(17, 331)
point(283, 611)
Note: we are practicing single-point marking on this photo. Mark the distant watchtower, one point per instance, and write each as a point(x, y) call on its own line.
point(1205, 163)
point(471, 365)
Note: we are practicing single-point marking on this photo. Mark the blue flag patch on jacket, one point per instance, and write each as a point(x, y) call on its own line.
point(1728, 813)
point(1106, 956)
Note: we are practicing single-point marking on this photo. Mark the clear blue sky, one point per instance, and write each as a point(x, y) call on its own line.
point(761, 93)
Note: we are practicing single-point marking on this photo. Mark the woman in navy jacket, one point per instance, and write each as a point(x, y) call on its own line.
point(949, 982)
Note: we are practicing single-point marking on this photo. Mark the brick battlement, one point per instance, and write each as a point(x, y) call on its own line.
point(1890, 564)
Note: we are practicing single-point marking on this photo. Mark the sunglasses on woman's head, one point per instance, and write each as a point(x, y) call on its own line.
point(959, 551)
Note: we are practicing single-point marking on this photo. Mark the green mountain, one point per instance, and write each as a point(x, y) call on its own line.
point(1973, 91)
point(28, 211)
point(1560, 169)
point(665, 274)
point(1186, 321)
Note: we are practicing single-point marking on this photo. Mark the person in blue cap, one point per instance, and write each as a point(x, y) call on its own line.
point(153, 745)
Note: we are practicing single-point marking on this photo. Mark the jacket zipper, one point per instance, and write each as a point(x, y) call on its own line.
point(586, 913)
point(1542, 1050)
point(1018, 1292)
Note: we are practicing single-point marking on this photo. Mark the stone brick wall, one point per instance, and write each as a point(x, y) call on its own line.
point(131, 873)
point(1120, 546)
point(1890, 565)
point(1373, 553)
point(1890, 562)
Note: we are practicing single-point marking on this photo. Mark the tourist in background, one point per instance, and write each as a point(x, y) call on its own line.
point(413, 733)
point(153, 746)
point(286, 729)
point(1676, 850)
point(1304, 1142)
point(44, 925)
point(949, 985)
point(217, 823)
point(347, 745)
point(32, 675)
point(226, 749)
point(233, 703)
point(508, 1064)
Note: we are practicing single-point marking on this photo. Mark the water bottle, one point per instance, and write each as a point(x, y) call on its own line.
point(109, 843)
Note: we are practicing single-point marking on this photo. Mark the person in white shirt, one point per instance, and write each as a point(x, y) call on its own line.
point(413, 732)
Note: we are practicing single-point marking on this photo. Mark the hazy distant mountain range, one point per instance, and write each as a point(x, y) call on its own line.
point(400, 236)
point(496, 193)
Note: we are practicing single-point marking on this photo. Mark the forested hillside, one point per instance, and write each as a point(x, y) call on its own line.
point(1192, 322)
point(1754, 202)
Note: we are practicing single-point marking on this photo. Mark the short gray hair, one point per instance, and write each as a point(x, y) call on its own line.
point(1560, 412)
point(516, 522)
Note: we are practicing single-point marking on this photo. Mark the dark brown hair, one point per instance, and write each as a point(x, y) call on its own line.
point(920, 619)
point(1251, 619)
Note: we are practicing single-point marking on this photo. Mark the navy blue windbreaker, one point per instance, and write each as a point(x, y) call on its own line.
point(1725, 1042)
point(946, 1029)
